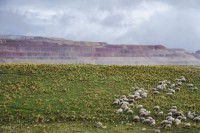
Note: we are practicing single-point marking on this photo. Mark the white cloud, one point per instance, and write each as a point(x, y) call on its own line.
point(169, 22)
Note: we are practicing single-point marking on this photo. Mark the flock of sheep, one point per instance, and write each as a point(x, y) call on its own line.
point(174, 116)
point(163, 86)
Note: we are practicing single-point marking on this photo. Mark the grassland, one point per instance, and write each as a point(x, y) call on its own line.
point(81, 95)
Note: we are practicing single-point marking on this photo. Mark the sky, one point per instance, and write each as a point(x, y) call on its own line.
point(172, 23)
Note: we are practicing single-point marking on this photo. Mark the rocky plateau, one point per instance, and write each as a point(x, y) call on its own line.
point(29, 49)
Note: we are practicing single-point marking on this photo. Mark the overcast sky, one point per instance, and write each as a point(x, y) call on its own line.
point(173, 23)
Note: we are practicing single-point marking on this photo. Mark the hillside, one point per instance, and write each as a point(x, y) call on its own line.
point(56, 50)
point(35, 94)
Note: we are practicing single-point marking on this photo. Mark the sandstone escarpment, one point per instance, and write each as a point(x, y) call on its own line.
point(55, 50)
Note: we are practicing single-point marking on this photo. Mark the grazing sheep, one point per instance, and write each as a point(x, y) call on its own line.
point(160, 87)
point(131, 100)
point(156, 92)
point(116, 102)
point(138, 98)
point(124, 102)
point(173, 107)
point(152, 122)
point(177, 121)
point(190, 115)
point(147, 121)
point(123, 106)
point(145, 114)
point(123, 96)
point(190, 85)
point(164, 122)
point(142, 110)
point(187, 125)
point(134, 88)
point(173, 85)
point(177, 89)
point(168, 82)
point(168, 126)
point(197, 119)
point(191, 89)
point(170, 118)
point(131, 105)
point(151, 118)
point(125, 99)
point(139, 106)
point(178, 113)
point(154, 89)
point(130, 111)
point(136, 118)
point(171, 91)
point(169, 94)
point(161, 113)
point(136, 93)
point(156, 108)
point(182, 78)
point(144, 94)
point(131, 96)
point(100, 125)
point(178, 83)
point(157, 130)
point(126, 108)
point(142, 119)
point(119, 111)
point(169, 114)
point(195, 88)
point(183, 118)
point(173, 110)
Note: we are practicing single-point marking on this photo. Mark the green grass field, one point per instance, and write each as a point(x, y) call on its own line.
point(75, 97)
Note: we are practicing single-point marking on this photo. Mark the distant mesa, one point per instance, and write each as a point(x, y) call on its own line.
point(198, 52)
point(57, 50)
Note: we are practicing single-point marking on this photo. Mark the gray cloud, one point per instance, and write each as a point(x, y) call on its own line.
point(170, 22)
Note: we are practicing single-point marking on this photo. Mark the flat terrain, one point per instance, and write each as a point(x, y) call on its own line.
point(74, 97)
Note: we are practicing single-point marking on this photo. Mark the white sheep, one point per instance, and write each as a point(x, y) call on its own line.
point(142, 110)
point(190, 115)
point(169, 114)
point(154, 89)
point(187, 125)
point(130, 111)
point(170, 118)
point(169, 93)
point(173, 110)
point(177, 89)
point(173, 107)
point(139, 106)
point(177, 121)
point(119, 111)
point(173, 85)
point(167, 126)
point(116, 102)
point(190, 85)
point(195, 88)
point(147, 121)
point(164, 122)
point(136, 118)
point(197, 119)
point(156, 92)
point(152, 122)
point(144, 94)
point(156, 108)
point(183, 118)
point(123, 96)
point(160, 113)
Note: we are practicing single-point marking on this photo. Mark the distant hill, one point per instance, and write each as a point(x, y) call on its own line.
point(198, 52)
point(57, 50)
